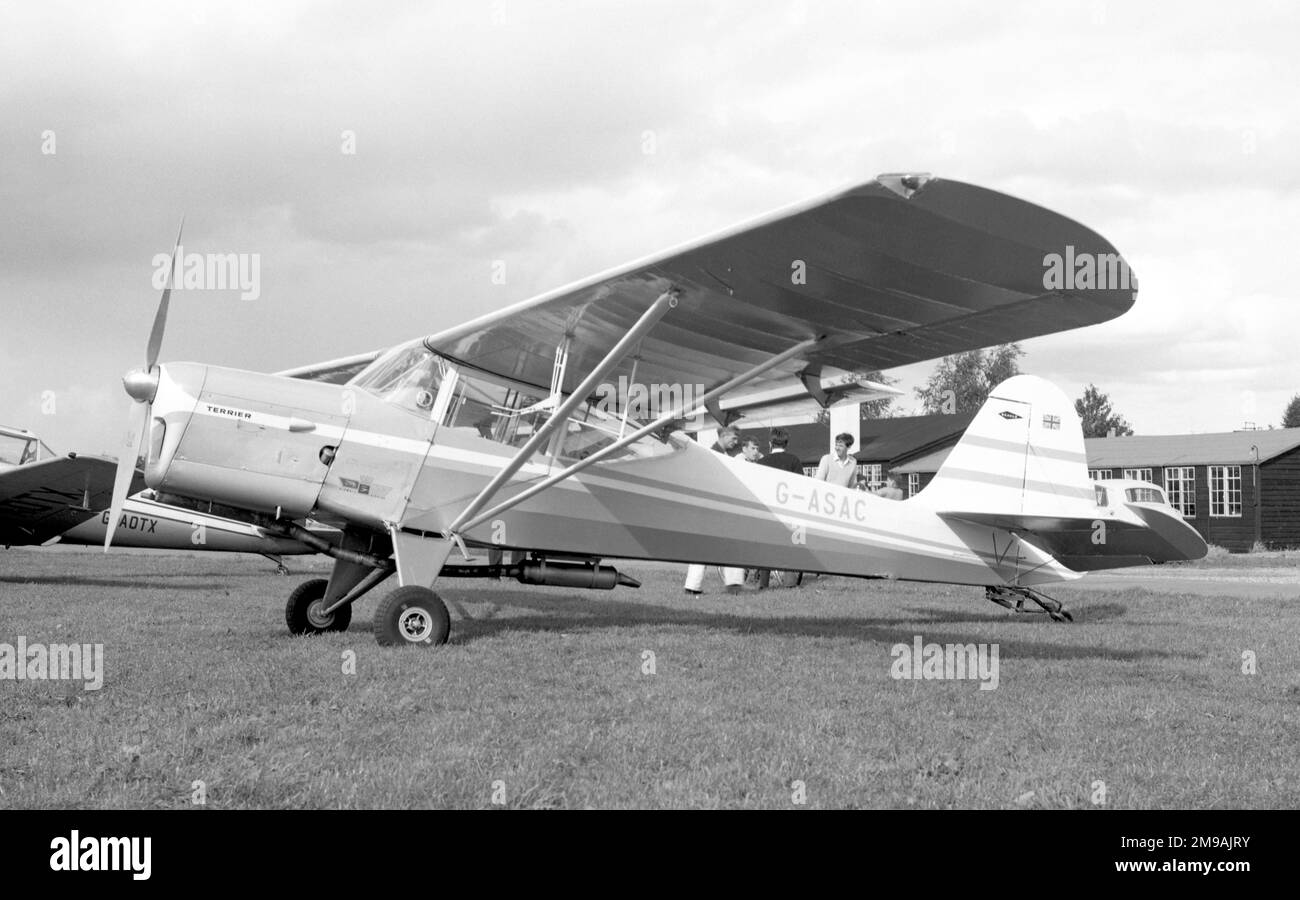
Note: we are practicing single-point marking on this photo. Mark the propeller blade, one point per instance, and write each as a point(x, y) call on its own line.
point(160, 318)
point(127, 455)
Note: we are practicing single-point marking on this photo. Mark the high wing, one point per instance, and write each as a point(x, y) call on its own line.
point(43, 499)
point(902, 269)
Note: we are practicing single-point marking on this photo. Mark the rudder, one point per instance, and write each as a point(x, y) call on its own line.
point(1023, 454)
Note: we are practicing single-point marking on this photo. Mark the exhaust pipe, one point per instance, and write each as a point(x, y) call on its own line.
point(575, 575)
point(320, 545)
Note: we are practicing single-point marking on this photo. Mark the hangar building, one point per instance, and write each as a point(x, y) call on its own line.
point(1235, 488)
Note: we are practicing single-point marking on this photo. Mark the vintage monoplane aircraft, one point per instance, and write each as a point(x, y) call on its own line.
point(44, 496)
point(490, 435)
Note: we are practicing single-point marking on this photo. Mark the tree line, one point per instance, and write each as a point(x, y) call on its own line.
point(963, 382)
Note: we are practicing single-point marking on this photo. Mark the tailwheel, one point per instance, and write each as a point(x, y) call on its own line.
point(1013, 598)
point(304, 612)
point(1051, 606)
point(412, 616)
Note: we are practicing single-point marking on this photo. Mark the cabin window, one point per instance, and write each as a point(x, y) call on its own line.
point(510, 413)
point(14, 451)
point(1144, 495)
point(1098, 474)
point(1180, 485)
point(494, 409)
point(1225, 491)
point(1138, 474)
point(1100, 493)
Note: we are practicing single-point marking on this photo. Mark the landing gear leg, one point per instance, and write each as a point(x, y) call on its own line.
point(326, 605)
point(1013, 598)
point(1005, 597)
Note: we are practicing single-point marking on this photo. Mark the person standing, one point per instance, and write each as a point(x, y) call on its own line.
point(779, 457)
point(733, 578)
point(839, 468)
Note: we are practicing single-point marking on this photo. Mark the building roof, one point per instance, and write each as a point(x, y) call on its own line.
point(882, 440)
point(1230, 448)
point(902, 437)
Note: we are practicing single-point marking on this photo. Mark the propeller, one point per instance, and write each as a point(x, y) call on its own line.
point(142, 386)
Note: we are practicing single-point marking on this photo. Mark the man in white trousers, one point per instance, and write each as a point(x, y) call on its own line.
point(733, 578)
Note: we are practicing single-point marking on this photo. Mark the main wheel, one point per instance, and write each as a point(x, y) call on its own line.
point(304, 611)
point(412, 615)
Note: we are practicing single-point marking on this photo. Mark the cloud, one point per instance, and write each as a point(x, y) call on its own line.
point(568, 138)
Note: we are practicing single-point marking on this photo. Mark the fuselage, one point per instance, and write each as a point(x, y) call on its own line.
point(410, 445)
point(146, 523)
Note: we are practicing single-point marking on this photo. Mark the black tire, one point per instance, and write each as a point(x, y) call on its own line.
point(412, 616)
point(302, 611)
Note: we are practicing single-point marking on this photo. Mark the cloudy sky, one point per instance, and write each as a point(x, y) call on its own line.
point(380, 157)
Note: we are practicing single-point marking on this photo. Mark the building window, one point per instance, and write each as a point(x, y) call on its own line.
point(810, 471)
point(1098, 474)
point(1180, 486)
point(1225, 491)
point(873, 474)
point(913, 484)
point(1138, 474)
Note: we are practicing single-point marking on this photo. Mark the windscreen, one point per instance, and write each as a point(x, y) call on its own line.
point(407, 376)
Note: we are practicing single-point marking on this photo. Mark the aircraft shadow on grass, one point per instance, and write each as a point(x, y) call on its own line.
point(202, 581)
point(570, 614)
point(1093, 613)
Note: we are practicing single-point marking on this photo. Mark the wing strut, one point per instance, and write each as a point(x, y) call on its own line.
point(649, 318)
point(681, 412)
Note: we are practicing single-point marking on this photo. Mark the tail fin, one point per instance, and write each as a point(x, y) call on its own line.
point(1023, 455)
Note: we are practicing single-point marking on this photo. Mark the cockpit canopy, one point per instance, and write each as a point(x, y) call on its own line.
point(17, 449)
point(1145, 494)
point(408, 376)
point(1131, 492)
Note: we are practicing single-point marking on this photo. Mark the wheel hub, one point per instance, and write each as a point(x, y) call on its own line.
point(415, 625)
point(317, 616)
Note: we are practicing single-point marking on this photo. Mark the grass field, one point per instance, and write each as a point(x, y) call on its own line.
point(541, 699)
point(1217, 557)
